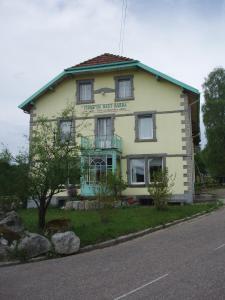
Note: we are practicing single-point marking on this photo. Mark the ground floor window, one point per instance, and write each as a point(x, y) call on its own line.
point(137, 167)
point(141, 170)
point(154, 165)
point(97, 167)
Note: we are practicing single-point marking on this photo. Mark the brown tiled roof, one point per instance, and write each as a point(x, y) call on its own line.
point(105, 58)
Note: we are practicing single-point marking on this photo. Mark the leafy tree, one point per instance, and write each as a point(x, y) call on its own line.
point(160, 189)
point(13, 177)
point(214, 120)
point(54, 162)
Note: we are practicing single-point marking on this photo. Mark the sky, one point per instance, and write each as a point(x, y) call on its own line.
point(39, 38)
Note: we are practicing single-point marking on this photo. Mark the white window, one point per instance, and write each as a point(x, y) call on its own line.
point(154, 165)
point(65, 130)
point(137, 169)
point(85, 92)
point(124, 88)
point(145, 127)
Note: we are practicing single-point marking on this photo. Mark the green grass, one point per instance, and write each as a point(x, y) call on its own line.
point(87, 224)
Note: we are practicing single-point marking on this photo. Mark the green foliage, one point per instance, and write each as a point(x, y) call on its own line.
point(115, 185)
point(160, 189)
point(89, 227)
point(54, 162)
point(108, 192)
point(13, 177)
point(214, 120)
point(8, 203)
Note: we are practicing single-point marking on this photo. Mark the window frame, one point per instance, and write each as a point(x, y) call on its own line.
point(78, 84)
point(130, 173)
point(124, 77)
point(139, 115)
point(72, 138)
point(144, 157)
point(148, 170)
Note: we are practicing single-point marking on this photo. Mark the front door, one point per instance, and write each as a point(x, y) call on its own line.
point(104, 132)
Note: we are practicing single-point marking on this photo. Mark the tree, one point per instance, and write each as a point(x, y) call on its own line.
point(13, 177)
point(54, 162)
point(214, 120)
point(160, 189)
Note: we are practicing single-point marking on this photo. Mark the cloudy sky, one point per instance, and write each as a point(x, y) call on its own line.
point(39, 38)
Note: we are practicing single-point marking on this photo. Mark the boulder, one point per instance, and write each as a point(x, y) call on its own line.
point(76, 205)
point(34, 245)
point(12, 221)
point(66, 243)
point(69, 205)
point(3, 242)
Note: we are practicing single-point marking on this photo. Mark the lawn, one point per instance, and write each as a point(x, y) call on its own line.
point(88, 226)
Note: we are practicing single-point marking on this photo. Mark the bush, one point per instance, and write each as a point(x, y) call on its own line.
point(160, 189)
point(8, 203)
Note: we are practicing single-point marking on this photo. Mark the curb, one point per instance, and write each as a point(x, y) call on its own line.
point(119, 240)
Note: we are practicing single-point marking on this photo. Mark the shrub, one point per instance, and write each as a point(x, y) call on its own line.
point(160, 189)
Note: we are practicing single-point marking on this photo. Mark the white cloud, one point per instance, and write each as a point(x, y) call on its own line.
point(40, 38)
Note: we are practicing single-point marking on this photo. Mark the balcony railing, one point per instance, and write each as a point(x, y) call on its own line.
point(101, 142)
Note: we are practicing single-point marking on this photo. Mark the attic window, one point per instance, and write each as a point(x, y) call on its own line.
point(124, 88)
point(85, 91)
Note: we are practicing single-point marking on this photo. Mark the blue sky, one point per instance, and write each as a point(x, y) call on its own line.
point(184, 39)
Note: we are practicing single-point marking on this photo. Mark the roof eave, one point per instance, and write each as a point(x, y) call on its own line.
point(101, 68)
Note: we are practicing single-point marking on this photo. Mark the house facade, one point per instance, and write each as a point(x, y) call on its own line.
point(139, 120)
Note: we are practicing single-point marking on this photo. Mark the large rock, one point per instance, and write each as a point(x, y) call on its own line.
point(12, 221)
point(34, 245)
point(66, 243)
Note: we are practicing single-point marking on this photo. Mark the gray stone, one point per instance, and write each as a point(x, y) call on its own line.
point(3, 242)
point(66, 242)
point(34, 245)
point(75, 205)
point(12, 221)
point(69, 205)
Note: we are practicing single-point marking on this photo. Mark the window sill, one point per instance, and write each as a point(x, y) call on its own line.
point(133, 185)
point(147, 140)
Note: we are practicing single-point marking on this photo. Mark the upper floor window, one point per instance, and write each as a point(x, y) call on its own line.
point(145, 127)
point(85, 92)
point(124, 88)
point(65, 128)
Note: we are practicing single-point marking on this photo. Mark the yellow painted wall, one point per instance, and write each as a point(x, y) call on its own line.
point(150, 95)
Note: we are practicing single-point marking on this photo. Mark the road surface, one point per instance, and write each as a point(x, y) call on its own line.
point(186, 261)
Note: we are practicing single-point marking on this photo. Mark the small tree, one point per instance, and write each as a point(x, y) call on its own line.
point(54, 162)
point(160, 189)
point(108, 191)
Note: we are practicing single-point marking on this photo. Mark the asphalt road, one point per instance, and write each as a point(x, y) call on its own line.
point(186, 261)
